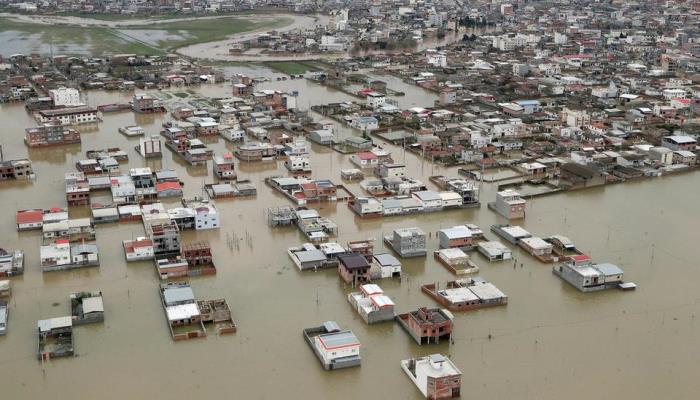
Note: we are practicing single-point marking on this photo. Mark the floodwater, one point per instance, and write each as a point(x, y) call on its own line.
point(219, 50)
point(549, 342)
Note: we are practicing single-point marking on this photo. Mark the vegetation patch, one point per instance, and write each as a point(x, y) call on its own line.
point(291, 67)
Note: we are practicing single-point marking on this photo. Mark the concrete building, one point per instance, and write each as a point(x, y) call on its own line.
point(494, 251)
point(407, 242)
point(456, 237)
point(165, 235)
point(375, 100)
point(466, 294)
point(68, 116)
point(509, 204)
point(65, 97)
point(372, 304)
point(435, 376)
point(427, 325)
point(391, 170)
point(55, 338)
point(335, 348)
point(679, 142)
point(384, 265)
point(52, 134)
point(150, 147)
point(354, 269)
point(587, 276)
point(138, 249)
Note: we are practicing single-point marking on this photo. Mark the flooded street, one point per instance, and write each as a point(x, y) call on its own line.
point(549, 342)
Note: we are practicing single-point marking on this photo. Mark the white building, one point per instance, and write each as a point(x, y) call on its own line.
point(436, 58)
point(206, 216)
point(65, 97)
point(375, 100)
point(336, 346)
point(298, 164)
point(509, 204)
point(138, 249)
point(365, 123)
point(150, 147)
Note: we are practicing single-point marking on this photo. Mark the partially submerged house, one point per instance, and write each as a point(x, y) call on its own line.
point(435, 376)
point(407, 242)
point(459, 236)
point(466, 294)
point(372, 304)
point(354, 269)
point(11, 262)
point(494, 250)
point(186, 316)
point(217, 313)
point(55, 338)
point(5, 288)
point(311, 257)
point(509, 204)
point(456, 261)
point(427, 325)
point(384, 265)
point(4, 313)
point(138, 249)
point(61, 255)
point(538, 248)
point(335, 348)
point(587, 276)
point(86, 307)
point(511, 233)
point(181, 311)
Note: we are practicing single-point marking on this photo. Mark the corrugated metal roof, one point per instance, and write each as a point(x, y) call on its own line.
point(92, 304)
point(338, 339)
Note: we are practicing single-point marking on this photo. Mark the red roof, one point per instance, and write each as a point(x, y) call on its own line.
point(574, 56)
point(681, 100)
point(580, 258)
point(366, 155)
point(29, 216)
point(168, 186)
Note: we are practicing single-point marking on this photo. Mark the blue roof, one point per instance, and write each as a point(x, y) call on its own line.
point(609, 269)
point(528, 102)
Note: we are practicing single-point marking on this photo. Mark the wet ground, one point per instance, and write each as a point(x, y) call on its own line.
point(549, 342)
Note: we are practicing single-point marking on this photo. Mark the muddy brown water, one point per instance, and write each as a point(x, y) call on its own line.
point(549, 342)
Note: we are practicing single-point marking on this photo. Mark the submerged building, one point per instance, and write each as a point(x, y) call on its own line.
point(435, 376)
point(335, 348)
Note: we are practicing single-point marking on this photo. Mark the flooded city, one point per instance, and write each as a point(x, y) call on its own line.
point(553, 339)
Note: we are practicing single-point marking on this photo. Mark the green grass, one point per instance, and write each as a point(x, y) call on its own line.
point(101, 40)
point(290, 67)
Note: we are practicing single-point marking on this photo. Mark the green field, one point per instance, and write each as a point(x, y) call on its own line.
point(291, 67)
point(69, 39)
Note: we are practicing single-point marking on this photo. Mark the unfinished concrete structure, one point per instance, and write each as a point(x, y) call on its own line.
point(427, 325)
point(407, 242)
point(55, 338)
